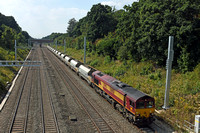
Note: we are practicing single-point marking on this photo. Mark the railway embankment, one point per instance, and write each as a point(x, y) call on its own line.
point(149, 78)
point(7, 74)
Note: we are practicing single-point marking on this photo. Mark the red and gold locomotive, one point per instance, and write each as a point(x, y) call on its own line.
point(135, 105)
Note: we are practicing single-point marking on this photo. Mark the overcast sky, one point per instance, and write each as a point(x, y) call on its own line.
point(42, 17)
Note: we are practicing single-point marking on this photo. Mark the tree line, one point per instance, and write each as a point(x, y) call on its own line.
point(140, 31)
point(10, 31)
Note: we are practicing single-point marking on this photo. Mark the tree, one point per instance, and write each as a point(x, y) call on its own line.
point(144, 28)
point(100, 22)
point(72, 23)
point(8, 37)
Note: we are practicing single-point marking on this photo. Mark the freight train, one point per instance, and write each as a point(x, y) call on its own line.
point(133, 104)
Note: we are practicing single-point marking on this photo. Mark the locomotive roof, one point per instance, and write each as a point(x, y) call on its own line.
point(129, 90)
point(118, 85)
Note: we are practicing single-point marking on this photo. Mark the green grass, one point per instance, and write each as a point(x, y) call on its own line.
point(7, 73)
point(145, 76)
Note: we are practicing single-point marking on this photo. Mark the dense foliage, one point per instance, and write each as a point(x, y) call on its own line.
point(9, 32)
point(72, 23)
point(53, 36)
point(140, 32)
point(145, 26)
point(10, 22)
point(98, 23)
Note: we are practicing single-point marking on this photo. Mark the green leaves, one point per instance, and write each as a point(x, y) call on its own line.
point(72, 23)
point(7, 37)
point(147, 25)
point(10, 31)
point(140, 32)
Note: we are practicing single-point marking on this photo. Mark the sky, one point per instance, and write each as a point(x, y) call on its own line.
point(43, 17)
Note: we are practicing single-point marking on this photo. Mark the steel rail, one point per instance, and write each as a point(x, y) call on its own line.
point(41, 100)
point(29, 95)
point(64, 74)
point(51, 101)
point(18, 103)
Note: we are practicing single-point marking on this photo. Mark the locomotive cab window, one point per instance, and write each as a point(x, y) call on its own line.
point(149, 104)
point(132, 104)
point(140, 105)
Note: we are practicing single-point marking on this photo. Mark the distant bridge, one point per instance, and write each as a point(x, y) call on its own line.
point(41, 40)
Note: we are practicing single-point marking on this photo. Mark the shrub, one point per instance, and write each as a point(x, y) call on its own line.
point(109, 72)
point(107, 60)
point(155, 76)
point(146, 70)
point(120, 71)
point(94, 62)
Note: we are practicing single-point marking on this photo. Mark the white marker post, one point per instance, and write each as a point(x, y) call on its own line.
point(197, 124)
point(168, 74)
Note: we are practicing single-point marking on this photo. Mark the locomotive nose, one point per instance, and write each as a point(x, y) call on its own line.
point(146, 114)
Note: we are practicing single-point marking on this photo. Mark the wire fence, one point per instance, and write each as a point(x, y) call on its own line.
point(189, 126)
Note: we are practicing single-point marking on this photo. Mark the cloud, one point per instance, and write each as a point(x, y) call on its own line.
point(39, 19)
point(118, 4)
point(42, 17)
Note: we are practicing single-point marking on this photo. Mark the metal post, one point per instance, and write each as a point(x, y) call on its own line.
point(84, 49)
point(168, 74)
point(56, 45)
point(15, 50)
point(197, 124)
point(64, 45)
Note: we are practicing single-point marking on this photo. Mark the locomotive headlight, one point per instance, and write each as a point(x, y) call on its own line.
point(137, 114)
point(151, 114)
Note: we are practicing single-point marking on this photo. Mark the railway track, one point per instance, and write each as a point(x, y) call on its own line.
point(35, 80)
point(49, 119)
point(20, 117)
point(99, 122)
point(146, 129)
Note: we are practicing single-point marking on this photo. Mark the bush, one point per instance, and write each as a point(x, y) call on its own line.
point(109, 72)
point(155, 76)
point(122, 53)
point(94, 63)
point(119, 72)
point(146, 70)
point(107, 60)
